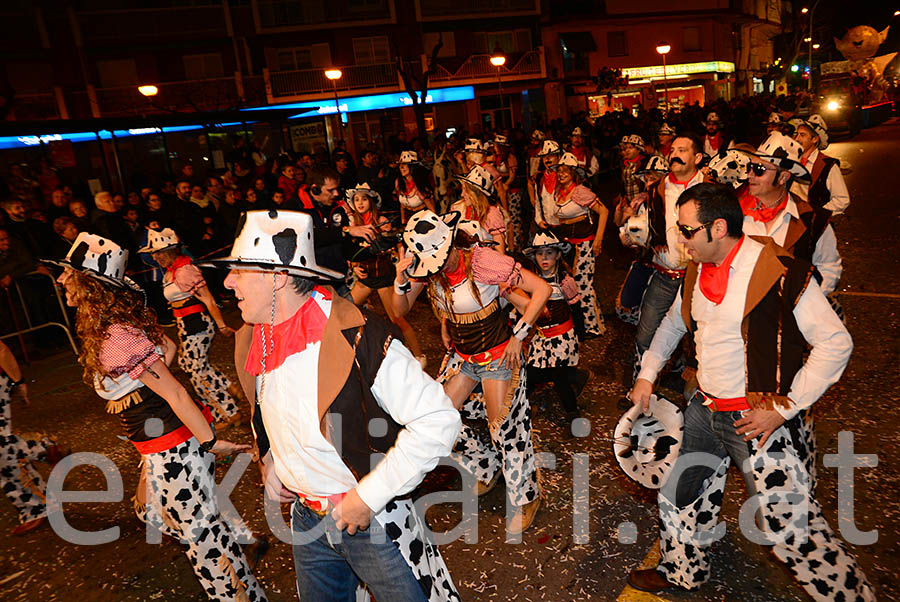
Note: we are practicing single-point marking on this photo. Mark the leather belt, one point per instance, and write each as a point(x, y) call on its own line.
point(558, 329)
point(484, 358)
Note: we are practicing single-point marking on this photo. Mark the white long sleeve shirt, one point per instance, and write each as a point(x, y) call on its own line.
point(825, 256)
point(307, 463)
point(675, 257)
point(840, 196)
point(720, 346)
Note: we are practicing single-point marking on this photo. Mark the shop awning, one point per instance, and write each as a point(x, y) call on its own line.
point(578, 41)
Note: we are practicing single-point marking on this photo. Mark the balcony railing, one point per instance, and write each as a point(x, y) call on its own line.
point(477, 68)
point(444, 9)
point(285, 84)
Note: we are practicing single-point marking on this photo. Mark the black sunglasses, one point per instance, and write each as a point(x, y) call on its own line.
point(759, 169)
point(688, 231)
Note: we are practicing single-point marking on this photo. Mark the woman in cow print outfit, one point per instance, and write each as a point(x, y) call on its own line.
point(197, 316)
point(553, 352)
point(464, 284)
point(125, 354)
point(574, 205)
point(21, 482)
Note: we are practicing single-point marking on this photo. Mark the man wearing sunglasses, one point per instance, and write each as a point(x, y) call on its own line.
point(753, 311)
point(771, 209)
point(668, 258)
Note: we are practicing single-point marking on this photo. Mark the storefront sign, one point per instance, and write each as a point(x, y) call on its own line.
point(679, 69)
point(306, 136)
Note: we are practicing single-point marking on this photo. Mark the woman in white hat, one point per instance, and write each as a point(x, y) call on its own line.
point(197, 317)
point(125, 355)
point(464, 284)
point(373, 263)
point(476, 156)
point(508, 166)
point(575, 204)
point(553, 352)
point(413, 186)
point(475, 205)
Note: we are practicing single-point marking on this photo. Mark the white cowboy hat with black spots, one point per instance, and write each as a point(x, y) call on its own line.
point(99, 258)
point(713, 117)
point(775, 118)
point(537, 136)
point(550, 147)
point(818, 127)
point(408, 158)
point(501, 140)
point(480, 179)
point(656, 164)
point(569, 160)
point(730, 166)
point(666, 130)
point(365, 189)
point(635, 232)
point(160, 240)
point(429, 237)
point(647, 445)
point(632, 139)
point(784, 153)
point(474, 145)
point(546, 239)
point(577, 132)
point(275, 241)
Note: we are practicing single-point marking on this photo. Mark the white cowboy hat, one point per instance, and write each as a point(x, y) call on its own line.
point(818, 127)
point(429, 238)
point(647, 445)
point(474, 145)
point(784, 153)
point(635, 232)
point(501, 140)
point(99, 258)
point(544, 239)
point(550, 147)
point(480, 179)
point(656, 163)
point(366, 190)
point(538, 136)
point(160, 240)
point(632, 139)
point(408, 158)
point(775, 118)
point(569, 160)
point(713, 117)
point(730, 166)
point(577, 132)
point(666, 130)
point(274, 241)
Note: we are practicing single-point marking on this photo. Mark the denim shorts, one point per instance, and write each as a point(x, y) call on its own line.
point(492, 371)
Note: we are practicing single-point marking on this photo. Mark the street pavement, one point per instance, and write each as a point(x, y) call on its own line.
point(614, 518)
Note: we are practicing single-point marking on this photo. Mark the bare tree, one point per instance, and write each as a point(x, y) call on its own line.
point(417, 86)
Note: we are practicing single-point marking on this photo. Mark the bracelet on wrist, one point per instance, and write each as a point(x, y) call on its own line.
point(207, 446)
point(402, 289)
point(521, 329)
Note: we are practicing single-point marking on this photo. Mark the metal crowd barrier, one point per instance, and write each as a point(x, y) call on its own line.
point(30, 327)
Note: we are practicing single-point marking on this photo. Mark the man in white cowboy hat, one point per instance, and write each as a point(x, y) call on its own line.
point(714, 138)
point(826, 187)
point(586, 159)
point(666, 137)
point(754, 311)
point(324, 369)
point(772, 209)
point(542, 192)
point(774, 123)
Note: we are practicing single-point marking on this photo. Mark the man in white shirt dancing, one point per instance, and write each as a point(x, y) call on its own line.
point(753, 309)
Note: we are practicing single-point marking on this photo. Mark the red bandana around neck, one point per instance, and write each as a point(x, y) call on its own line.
point(180, 262)
point(291, 336)
point(459, 273)
point(580, 153)
point(549, 181)
point(714, 140)
point(755, 208)
point(410, 186)
point(632, 161)
point(714, 278)
point(563, 197)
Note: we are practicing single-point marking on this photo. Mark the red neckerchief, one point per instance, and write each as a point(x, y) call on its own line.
point(291, 336)
point(714, 141)
point(580, 152)
point(714, 278)
point(632, 161)
point(470, 212)
point(754, 208)
point(410, 186)
point(180, 262)
point(458, 274)
point(564, 197)
point(679, 182)
point(367, 218)
point(549, 181)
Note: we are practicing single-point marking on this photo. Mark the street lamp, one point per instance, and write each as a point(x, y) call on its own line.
point(498, 59)
point(334, 75)
point(664, 49)
point(148, 90)
point(809, 41)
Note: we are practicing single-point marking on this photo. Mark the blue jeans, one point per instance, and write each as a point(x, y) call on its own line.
point(713, 433)
point(492, 371)
point(330, 571)
point(658, 298)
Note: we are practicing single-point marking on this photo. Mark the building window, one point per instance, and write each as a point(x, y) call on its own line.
point(203, 66)
point(509, 42)
point(302, 57)
point(368, 51)
point(576, 45)
point(617, 43)
point(691, 39)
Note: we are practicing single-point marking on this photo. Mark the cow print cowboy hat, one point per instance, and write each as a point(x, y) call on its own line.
point(275, 241)
point(99, 258)
point(647, 445)
point(784, 153)
point(429, 237)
